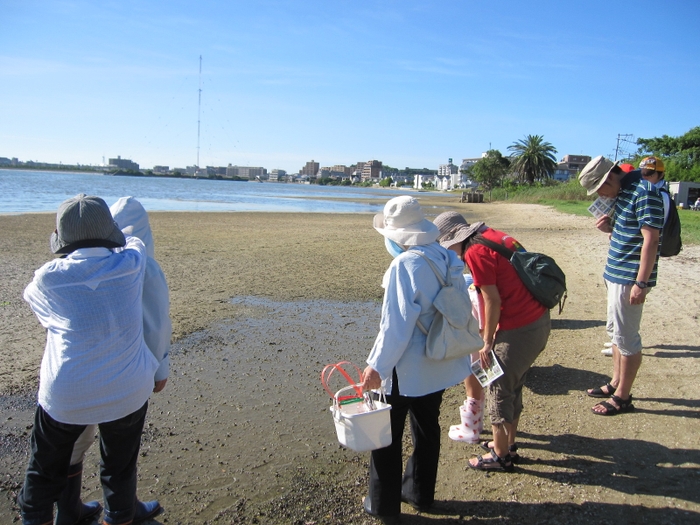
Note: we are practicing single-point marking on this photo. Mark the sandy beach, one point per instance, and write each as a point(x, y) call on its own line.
point(260, 302)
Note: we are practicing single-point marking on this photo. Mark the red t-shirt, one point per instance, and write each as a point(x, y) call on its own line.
point(518, 307)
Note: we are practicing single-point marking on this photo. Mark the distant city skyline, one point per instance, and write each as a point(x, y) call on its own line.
point(408, 82)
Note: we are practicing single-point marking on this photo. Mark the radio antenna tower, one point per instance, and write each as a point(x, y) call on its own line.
point(199, 107)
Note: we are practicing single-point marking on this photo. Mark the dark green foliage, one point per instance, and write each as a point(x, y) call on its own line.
point(490, 170)
point(533, 158)
point(680, 154)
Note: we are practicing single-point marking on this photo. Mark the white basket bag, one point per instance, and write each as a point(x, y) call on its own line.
point(358, 427)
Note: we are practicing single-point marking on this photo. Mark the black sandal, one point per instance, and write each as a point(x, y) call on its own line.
point(512, 450)
point(612, 410)
point(493, 463)
point(599, 392)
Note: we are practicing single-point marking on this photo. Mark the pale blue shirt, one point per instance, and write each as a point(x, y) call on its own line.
point(96, 366)
point(410, 287)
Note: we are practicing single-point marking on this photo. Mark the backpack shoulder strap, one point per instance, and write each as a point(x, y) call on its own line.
point(498, 248)
point(444, 281)
point(440, 279)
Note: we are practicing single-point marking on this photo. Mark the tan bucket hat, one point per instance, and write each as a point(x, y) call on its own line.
point(594, 173)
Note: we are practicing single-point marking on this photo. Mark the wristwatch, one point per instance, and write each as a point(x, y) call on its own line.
point(641, 284)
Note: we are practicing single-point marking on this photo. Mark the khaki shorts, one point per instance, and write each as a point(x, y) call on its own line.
point(624, 318)
point(516, 351)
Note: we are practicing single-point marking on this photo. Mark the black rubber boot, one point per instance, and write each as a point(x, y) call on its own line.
point(70, 510)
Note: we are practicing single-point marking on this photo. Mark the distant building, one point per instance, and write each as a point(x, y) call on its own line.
point(449, 176)
point(277, 175)
point(468, 163)
point(310, 168)
point(570, 166)
point(161, 169)
point(246, 172)
point(341, 168)
point(216, 171)
point(420, 179)
point(448, 169)
point(371, 170)
point(123, 164)
point(4, 161)
point(465, 181)
point(195, 171)
point(684, 193)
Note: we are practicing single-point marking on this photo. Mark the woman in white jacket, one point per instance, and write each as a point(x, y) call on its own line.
point(415, 383)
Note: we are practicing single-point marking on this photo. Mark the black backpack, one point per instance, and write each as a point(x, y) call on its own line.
point(539, 273)
point(671, 243)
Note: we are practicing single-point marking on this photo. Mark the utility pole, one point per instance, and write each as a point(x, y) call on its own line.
point(199, 107)
point(622, 138)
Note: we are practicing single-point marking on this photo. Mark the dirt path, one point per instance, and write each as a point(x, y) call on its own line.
point(242, 432)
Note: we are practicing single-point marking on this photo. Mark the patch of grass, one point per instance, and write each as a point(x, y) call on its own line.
point(690, 226)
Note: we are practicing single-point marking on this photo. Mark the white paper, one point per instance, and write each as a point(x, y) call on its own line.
point(601, 206)
point(486, 376)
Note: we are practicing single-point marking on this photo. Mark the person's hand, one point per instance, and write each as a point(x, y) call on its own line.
point(371, 380)
point(604, 224)
point(638, 295)
point(160, 385)
point(485, 355)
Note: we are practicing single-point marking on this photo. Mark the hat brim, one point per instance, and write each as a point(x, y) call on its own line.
point(602, 180)
point(116, 239)
point(464, 233)
point(417, 234)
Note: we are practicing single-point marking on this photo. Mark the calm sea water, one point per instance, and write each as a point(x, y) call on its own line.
point(24, 191)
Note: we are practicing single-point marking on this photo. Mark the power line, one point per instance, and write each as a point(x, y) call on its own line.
point(622, 150)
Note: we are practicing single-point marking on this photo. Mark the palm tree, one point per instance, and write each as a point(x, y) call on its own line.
point(533, 158)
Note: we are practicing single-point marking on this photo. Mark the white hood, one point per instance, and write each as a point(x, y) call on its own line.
point(132, 219)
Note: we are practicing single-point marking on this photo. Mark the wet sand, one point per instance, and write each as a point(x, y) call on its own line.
point(261, 302)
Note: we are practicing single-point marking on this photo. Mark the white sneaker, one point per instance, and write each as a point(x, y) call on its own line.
point(606, 351)
point(608, 344)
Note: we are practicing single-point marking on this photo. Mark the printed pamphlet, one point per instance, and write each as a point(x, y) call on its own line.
point(601, 206)
point(486, 376)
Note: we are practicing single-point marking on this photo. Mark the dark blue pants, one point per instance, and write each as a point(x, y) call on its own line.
point(52, 445)
point(388, 482)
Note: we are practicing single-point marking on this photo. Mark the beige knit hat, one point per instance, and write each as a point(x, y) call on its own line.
point(454, 228)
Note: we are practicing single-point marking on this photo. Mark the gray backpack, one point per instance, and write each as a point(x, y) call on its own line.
point(454, 331)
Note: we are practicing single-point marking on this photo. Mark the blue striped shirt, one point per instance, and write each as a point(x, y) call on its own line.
point(638, 204)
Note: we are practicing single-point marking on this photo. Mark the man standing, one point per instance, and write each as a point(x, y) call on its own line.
point(630, 270)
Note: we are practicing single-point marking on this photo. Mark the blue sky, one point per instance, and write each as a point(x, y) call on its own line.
point(411, 83)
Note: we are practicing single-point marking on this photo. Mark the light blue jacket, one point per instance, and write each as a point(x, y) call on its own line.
point(410, 287)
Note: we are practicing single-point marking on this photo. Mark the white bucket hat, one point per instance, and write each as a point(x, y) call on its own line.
point(404, 223)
